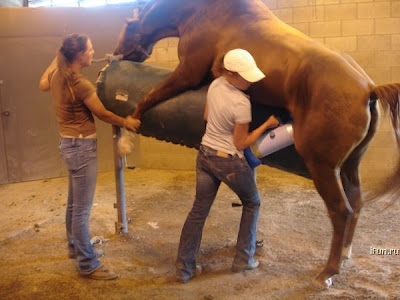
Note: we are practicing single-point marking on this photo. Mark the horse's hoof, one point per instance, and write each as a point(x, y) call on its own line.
point(328, 283)
point(322, 284)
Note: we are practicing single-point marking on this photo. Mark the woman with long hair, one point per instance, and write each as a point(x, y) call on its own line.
point(75, 102)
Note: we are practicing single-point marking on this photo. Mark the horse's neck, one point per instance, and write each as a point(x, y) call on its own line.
point(164, 17)
point(172, 32)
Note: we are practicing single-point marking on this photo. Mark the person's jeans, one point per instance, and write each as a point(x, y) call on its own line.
point(211, 170)
point(80, 156)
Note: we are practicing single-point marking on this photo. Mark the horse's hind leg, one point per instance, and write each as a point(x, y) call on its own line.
point(351, 184)
point(328, 184)
point(351, 180)
point(336, 177)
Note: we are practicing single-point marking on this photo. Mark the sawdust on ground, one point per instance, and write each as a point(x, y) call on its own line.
point(293, 225)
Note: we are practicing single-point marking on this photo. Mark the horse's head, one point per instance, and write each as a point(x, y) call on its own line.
point(132, 44)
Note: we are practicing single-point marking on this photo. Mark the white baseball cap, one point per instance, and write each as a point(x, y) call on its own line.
point(241, 61)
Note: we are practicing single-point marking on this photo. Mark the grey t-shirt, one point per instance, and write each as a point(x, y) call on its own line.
point(227, 106)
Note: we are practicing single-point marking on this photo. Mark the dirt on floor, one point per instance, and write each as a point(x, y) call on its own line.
point(293, 225)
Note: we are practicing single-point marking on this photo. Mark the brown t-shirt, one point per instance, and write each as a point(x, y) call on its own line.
point(74, 118)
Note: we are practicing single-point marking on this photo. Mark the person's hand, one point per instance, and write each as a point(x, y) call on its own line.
point(131, 123)
point(273, 122)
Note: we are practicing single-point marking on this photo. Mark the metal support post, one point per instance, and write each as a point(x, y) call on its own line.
point(122, 225)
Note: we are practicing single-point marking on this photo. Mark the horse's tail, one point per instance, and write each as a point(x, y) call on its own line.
point(389, 96)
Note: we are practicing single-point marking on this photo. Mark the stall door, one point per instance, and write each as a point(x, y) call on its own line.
point(29, 129)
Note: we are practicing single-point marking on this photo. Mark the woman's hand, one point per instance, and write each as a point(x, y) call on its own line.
point(272, 122)
point(131, 123)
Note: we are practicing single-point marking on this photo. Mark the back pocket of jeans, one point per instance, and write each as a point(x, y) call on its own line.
point(73, 160)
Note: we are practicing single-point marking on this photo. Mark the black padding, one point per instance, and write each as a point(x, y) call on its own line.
point(180, 119)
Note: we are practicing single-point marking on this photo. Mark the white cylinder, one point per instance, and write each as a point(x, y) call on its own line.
point(273, 141)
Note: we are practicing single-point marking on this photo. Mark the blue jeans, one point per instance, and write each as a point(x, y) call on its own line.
point(80, 156)
point(211, 170)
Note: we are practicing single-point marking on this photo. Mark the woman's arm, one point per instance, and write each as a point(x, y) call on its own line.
point(242, 138)
point(205, 115)
point(97, 108)
point(44, 83)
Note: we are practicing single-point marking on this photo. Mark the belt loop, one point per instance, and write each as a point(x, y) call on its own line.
point(73, 141)
point(202, 149)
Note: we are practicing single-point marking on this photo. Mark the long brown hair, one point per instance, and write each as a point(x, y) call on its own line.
point(72, 45)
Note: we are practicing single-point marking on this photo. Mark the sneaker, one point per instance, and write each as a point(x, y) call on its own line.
point(98, 252)
point(242, 268)
point(101, 274)
point(196, 273)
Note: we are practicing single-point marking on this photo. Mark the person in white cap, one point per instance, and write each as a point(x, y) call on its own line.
point(221, 159)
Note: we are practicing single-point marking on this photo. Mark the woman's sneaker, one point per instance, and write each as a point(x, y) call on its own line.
point(101, 274)
point(241, 268)
point(186, 278)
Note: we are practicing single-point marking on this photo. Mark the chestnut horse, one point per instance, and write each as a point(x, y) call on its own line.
point(331, 99)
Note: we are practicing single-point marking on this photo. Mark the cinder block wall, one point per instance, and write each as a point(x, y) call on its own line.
point(367, 30)
point(370, 32)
